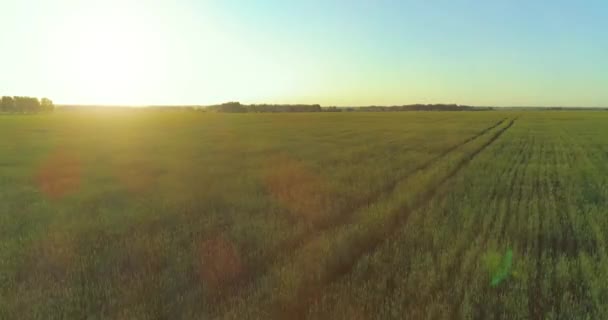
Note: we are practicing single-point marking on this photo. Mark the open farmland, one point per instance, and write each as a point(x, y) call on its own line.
point(149, 214)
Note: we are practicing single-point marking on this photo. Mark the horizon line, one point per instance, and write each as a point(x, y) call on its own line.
point(60, 105)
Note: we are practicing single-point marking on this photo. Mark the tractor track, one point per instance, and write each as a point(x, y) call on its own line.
point(344, 217)
point(515, 173)
point(308, 294)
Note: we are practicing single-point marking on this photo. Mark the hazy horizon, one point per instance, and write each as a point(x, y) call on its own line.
point(60, 105)
point(356, 53)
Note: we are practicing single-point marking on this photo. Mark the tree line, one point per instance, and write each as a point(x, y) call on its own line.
point(420, 107)
point(20, 104)
point(236, 107)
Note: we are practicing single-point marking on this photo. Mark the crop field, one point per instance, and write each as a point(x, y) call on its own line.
point(404, 215)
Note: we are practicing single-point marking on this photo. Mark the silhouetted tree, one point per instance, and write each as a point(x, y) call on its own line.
point(20, 104)
point(7, 104)
point(230, 107)
point(27, 104)
point(47, 105)
point(421, 107)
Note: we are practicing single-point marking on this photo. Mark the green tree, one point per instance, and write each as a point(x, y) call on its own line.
point(33, 105)
point(47, 105)
point(7, 104)
point(20, 104)
point(27, 104)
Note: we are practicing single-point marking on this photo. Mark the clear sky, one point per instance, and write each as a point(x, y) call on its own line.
point(347, 52)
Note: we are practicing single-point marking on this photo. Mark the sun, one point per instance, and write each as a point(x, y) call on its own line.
point(104, 57)
point(131, 52)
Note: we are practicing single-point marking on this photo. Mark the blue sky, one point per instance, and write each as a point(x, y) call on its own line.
point(329, 52)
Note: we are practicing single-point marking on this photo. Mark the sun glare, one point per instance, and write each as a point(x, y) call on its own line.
point(105, 58)
point(124, 53)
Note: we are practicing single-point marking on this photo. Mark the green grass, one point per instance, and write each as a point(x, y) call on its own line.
point(146, 215)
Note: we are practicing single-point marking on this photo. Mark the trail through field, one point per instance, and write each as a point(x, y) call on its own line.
point(525, 218)
point(401, 220)
point(362, 244)
point(347, 215)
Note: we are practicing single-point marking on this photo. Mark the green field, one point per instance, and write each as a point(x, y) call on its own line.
point(171, 215)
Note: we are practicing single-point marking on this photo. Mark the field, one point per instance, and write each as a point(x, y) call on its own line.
point(169, 215)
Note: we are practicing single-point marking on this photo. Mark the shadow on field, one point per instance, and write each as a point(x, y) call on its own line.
point(298, 189)
point(60, 174)
point(220, 262)
point(49, 261)
point(138, 177)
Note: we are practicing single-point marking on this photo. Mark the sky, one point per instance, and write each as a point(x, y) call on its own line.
point(331, 52)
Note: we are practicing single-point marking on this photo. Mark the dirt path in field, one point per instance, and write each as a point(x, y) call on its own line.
point(536, 298)
point(314, 291)
point(346, 214)
point(514, 173)
point(343, 217)
point(456, 267)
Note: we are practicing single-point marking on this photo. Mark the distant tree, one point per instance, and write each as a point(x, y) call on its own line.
point(230, 107)
point(33, 105)
point(20, 104)
point(7, 104)
point(27, 104)
point(419, 107)
point(283, 108)
point(46, 105)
